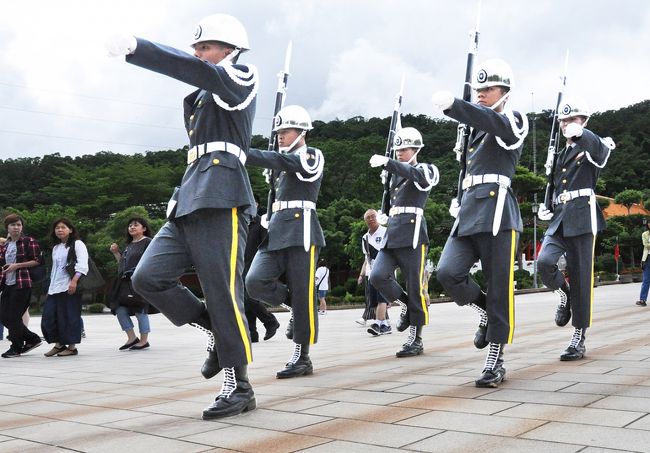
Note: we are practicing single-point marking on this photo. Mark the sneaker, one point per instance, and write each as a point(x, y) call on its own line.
point(641, 303)
point(374, 329)
point(10, 354)
point(29, 346)
point(361, 322)
point(385, 329)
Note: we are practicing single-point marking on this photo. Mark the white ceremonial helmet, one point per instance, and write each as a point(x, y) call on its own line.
point(572, 107)
point(407, 137)
point(224, 28)
point(292, 117)
point(493, 72)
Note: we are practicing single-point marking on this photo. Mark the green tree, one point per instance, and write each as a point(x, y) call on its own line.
point(628, 198)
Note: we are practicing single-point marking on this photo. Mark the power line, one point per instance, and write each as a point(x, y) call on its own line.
point(90, 118)
point(79, 139)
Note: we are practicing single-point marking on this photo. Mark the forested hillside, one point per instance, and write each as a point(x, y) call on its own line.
point(97, 191)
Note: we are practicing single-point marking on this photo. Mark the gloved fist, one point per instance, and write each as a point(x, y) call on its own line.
point(454, 207)
point(573, 130)
point(119, 44)
point(543, 213)
point(377, 160)
point(382, 218)
point(264, 221)
point(442, 100)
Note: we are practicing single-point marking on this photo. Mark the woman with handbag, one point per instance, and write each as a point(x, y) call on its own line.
point(61, 320)
point(125, 302)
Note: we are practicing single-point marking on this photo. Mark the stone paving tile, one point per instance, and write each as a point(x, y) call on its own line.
point(623, 403)
point(526, 384)
point(58, 432)
point(276, 420)
point(608, 389)
point(166, 425)
point(609, 378)
point(588, 416)
point(643, 423)
point(288, 404)
point(122, 401)
point(357, 396)
point(455, 442)
point(71, 412)
point(366, 412)
point(631, 371)
point(377, 386)
point(525, 396)
point(444, 390)
point(599, 450)
point(474, 423)
point(383, 434)
point(178, 408)
point(25, 446)
point(10, 420)
point(594, 436)
point(7, 399)
point(253, 440)
point(289, 391)
point(339, 446)
point(440, 403)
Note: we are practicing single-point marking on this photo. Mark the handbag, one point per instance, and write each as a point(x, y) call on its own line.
point(126, 296)
point(89, 282)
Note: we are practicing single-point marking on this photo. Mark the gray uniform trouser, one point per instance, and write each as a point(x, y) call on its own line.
point(580, 266)
point(213, 241)
point(299, 268)
point(411, 264)
point(497, 255)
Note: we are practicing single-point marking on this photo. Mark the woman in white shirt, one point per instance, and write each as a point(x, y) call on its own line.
point(61, 321)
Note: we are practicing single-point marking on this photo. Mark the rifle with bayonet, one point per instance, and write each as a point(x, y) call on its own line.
point(462, 136)
point(553, 141)
point(283, 77)
point(394, 124)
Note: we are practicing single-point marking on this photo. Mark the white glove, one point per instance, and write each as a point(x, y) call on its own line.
point(119, 44)
point(382, 218)
point(573, 130)
point(442, 99)
point(454, 208)
point(377, 160)
point(543, 213)
point(264, 221)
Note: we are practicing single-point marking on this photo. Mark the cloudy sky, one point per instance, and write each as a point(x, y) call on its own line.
point(59, 92)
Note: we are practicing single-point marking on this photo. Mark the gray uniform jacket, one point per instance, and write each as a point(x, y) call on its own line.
point(574, 170)
point(486, 156)
point(217, 179)
point(404, 193)
point(287, 226)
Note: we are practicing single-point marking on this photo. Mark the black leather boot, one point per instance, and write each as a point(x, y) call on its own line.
point(403, 321)
point(576, 349)
point(236, 395)
point(493, 372)
point(271, 328)
point(210, 367)
point(480, 305)
point(563, 312)
point(413, 345)
point(299, 364)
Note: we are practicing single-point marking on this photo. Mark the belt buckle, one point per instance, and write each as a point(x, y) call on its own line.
point(467, 181)
point(392, 212)
point(564, 197)
point(191, 155)
point(275, 206)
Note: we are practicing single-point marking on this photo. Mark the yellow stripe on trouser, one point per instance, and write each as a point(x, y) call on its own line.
point(234, 246)
point(312, 289)
point(591, 285)
point(423, 299)
point(511, 288)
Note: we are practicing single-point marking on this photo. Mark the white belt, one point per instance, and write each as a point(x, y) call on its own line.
point(474, 180)
point(292, 204)
point(199, 150)
point(404, 210)
point(565, 197)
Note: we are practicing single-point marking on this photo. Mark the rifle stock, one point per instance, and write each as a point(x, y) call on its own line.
point(386, 177)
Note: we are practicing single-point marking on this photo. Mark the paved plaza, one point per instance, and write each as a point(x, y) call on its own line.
point(360, 397)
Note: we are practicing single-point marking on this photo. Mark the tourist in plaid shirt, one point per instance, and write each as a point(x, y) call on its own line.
point(17, 255)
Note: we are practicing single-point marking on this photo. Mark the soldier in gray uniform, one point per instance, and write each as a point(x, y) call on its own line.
point(488, 221)
point(406, 239)
point(295, 236)
point(209, 213)
point(575, 219)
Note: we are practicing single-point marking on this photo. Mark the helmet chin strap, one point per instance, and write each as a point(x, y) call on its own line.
point(286, 149)
point(231, 56)
point(501, 100)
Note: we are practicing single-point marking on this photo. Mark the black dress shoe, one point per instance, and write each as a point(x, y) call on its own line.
point(242, 399)
point(573, 353)
point(411, 349)
point(129, 345)
point(135, 347)
point(480, 341)
point(302, 367)
point(211, 365)
point(289, 331)
point(491, 378)
point(271, 329)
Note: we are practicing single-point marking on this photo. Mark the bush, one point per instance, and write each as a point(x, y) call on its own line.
point(338, 291)
point(96, 308)
point(523, 279)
